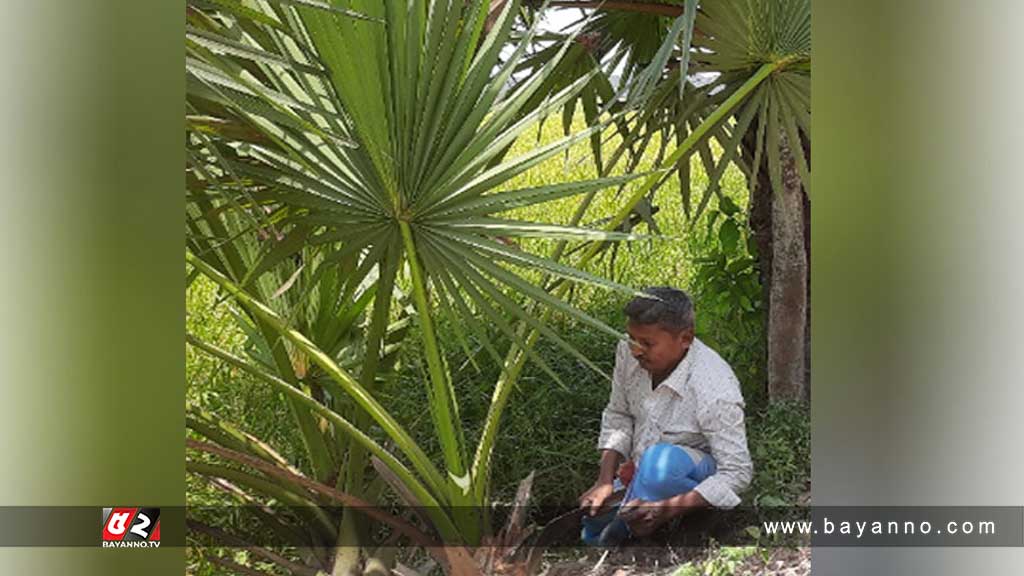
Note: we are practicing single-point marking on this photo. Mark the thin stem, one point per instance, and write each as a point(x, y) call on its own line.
point(353, 477)
point(443, 404)
point(442, 399)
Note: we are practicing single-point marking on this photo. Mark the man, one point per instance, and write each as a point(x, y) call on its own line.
point(676, 401)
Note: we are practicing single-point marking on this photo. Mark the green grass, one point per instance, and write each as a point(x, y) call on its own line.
point(227, 392)
point(722, 561)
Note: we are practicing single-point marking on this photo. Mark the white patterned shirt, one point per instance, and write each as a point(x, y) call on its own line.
point(698, 405)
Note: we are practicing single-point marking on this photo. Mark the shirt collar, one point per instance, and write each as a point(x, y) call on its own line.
point(676, 381)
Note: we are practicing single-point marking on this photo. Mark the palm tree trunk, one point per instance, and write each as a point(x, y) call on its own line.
point(780, 221)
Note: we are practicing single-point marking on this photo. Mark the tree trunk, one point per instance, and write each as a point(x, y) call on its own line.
point(780, 221)
point(787, 312)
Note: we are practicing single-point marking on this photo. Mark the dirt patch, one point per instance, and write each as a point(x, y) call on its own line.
point(665, 562)
point(781, 562)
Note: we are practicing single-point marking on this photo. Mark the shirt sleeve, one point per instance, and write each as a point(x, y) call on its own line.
point(616, 420)
point(722, 422)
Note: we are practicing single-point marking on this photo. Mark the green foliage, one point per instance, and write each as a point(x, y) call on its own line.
point(731, 315)
point(719, 561)
point(779, 437)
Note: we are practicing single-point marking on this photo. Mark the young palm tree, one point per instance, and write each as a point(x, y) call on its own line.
point(334, 148)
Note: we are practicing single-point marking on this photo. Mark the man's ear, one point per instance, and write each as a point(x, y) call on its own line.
point(686, 337)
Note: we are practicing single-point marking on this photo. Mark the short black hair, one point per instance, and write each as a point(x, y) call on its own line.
point(665, 306)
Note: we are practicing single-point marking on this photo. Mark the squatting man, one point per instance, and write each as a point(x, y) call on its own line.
point(673, 432)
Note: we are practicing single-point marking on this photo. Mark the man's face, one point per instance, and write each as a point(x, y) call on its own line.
point(656, 349)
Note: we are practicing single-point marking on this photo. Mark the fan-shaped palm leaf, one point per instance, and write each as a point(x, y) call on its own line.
point(375, 134)
point(734, 40)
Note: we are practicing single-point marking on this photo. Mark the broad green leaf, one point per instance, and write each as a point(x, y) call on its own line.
point(729, 235)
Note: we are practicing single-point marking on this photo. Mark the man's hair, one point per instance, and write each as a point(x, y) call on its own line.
point(665, 306)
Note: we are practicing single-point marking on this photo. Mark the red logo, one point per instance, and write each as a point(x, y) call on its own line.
point(131, 527)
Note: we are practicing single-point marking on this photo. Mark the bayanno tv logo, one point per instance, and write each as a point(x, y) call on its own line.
point(131, 528)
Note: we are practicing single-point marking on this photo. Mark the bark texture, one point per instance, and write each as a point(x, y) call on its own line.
point(787, 312)
point(780, 222)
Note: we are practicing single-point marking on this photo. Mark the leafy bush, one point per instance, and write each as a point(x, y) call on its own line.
point(779, 436)
point(730, 308)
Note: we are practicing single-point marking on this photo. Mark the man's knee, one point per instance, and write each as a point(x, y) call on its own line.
point(666, 470)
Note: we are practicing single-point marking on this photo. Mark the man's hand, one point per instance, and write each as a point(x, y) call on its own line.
point(644, 517)
point(596, 496)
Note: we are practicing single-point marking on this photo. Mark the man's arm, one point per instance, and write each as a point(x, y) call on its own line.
point(603, 488)
point(616, 439)
point(610, 460)
point(722, 422)
point(617, 420)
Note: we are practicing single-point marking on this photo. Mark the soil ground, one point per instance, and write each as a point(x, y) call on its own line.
point(777, 562)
